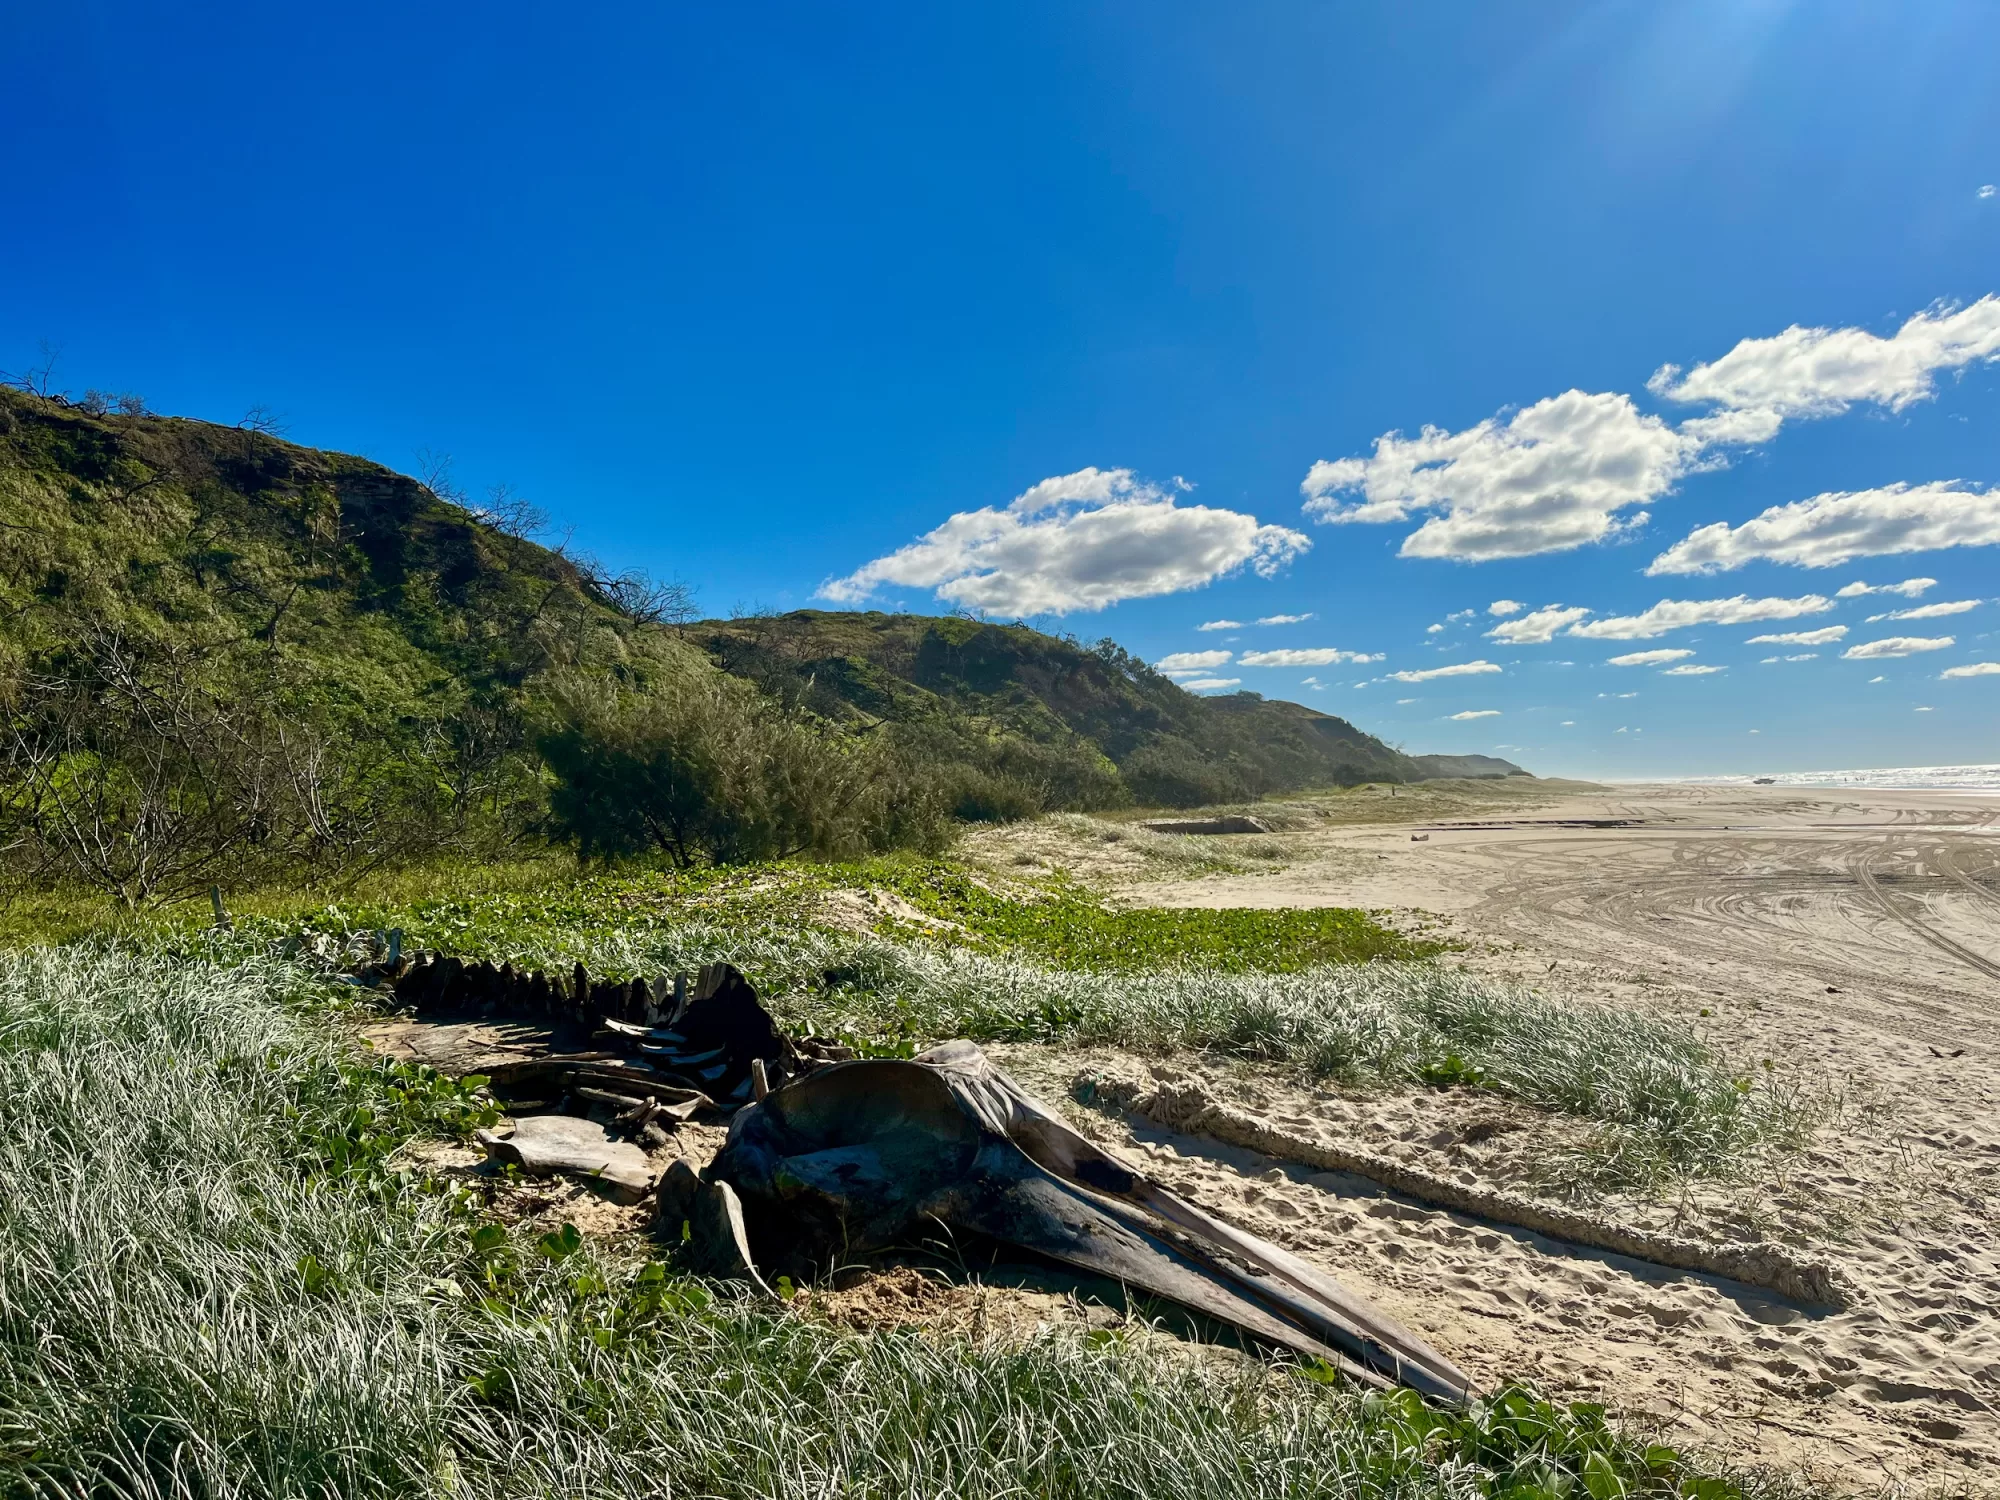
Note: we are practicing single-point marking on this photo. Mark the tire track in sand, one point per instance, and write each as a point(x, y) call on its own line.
point(1923, 930)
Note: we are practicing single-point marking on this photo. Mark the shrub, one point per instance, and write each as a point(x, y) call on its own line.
point(1173, 773)
point(700, 769)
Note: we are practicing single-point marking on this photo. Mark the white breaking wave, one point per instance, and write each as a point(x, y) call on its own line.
point(1892, 778)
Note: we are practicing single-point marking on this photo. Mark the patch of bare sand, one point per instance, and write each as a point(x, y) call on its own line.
point(1851, 941)
point(1009, 1309)
point(863, 911)
point(1109, 851)
point(1114, 849)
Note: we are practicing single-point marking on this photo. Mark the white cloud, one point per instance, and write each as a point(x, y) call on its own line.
point(1538, 627)
point(1078, 541)
point(1973, 669)
point(1456, 669)
point(1432, 629)
point(1690, 671)
point(1826, 635)
point(1651, 658)
point(1312, 656)
point(1401, 701)
point(1838, 527)
point(1821, 372)
point(1924, 710)
point(1205, 684)
point(1873, 680)
point(1286, 619)
point(1568, 723)
point(1797, 656)
point(1192, 661)
point(1617, 695)
point(1679, 614)
point(1501, 608)
point(1220, 625)
point(1898, 645)
point(1466, 614)
point(1562, 473)
point(1576, 468)
point(1909, 588)
point(1986, 190)
point(1476, 713)
point(1930, 611)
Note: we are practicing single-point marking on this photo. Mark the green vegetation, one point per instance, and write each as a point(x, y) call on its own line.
point(228, 659)
point(703, 771)
point(224, 1267)
point(202, 1293)
point(1052, 921)
point(1033, 722)
point(1071, 927)
point(1309, 991)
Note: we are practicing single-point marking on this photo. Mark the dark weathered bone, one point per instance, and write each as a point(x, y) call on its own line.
point(606, 1096)
point(856, 1156)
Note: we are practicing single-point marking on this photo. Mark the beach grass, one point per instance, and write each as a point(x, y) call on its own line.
point(224, 1273)
point(1319, 995)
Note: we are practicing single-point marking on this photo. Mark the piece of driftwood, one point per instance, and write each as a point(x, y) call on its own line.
point(861, 1155)
point(1779, 1268)
point(544, 1145)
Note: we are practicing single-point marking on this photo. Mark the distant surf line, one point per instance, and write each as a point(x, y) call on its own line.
point(1970, 778)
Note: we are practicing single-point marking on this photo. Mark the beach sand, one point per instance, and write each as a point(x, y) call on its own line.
point(1851, 939)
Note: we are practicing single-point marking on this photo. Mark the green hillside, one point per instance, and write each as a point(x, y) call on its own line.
point(211, 637)
point(226, 657)
point(203, 536)
point(1093, 724)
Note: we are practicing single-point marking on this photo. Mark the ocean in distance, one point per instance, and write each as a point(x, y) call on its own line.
point(1981, 778)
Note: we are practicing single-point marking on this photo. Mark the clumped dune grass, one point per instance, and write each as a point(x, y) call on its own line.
point(1668, 1105)
point(216, 1281)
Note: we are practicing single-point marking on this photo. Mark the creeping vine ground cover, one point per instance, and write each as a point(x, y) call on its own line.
point(1057, 920)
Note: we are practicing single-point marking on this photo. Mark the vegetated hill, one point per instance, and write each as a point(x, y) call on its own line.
point(212, 638)
point(363, 581)
point(1092, 724)
point(1465, 767)
point(227, 657)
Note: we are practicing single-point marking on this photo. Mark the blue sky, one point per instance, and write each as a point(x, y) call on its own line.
point(1110, 315)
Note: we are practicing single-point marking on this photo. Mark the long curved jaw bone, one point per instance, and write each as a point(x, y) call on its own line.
point(857, 1156)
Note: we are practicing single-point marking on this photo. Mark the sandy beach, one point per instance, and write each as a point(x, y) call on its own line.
point(1847, 945)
